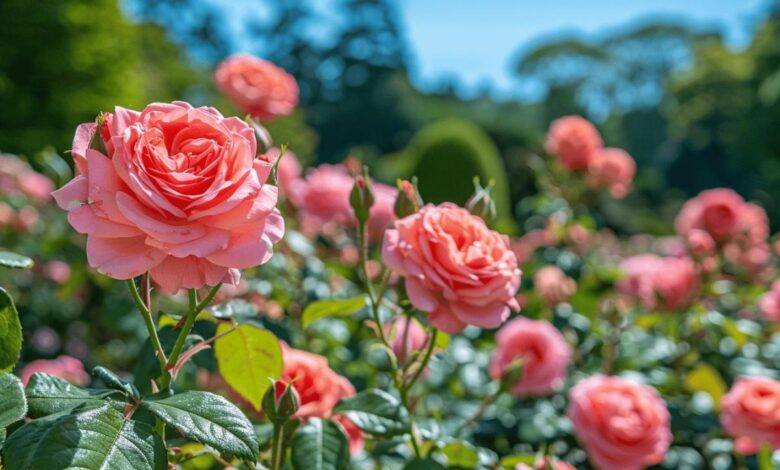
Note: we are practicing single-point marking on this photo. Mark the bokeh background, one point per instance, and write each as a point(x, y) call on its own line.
point(690, 89)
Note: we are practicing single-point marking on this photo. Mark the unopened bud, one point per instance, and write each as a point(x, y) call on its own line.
point(280, 402)
point(97, 142)
point(408, 201)
point(362, 198)
point(481, 203)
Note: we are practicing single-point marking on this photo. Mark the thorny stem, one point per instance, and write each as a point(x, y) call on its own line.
point(149, 322)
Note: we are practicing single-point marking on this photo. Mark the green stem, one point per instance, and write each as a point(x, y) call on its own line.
point(150, 327)
point(189, 321)
point(277, 448)
point(426, 358)
point(489, 400)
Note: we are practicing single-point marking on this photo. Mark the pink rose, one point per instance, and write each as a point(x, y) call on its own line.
point(456, 268)
point(289, 170)
point(525, 246)
point(65, 367)
point(319, 388)
point(17, 177)
point(540, 348)
point(553, 286)
point(665, 283)
point(574, 140)
point(7, 214)
point(750, 413)
point(257, 87)
point(179, 194)
point(613, 169)
point(700, 242)
point(322, 200)
point(406, 336)
point(623, 425)
point(723, 214)
point(57, 271)
point(769, 303)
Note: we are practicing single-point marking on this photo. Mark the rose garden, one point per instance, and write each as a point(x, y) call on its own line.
point(192, 295)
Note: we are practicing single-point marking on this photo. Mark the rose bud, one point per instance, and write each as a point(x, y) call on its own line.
point(281, 401)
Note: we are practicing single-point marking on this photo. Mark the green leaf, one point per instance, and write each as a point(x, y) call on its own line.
point(209, 419)
point(375, 412)
point(47, 394)
point(14, 260)
point(97, 438)
point(511, 461)
point(10, 331)
point(442, 341)
point(113, 381)
point(13, 405)
point(319, 445)
point(423, 464)
point(461, 454)
point(707, 379)
point(332, 308)
point(247, 357)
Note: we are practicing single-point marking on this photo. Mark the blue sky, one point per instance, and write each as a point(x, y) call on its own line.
point(475, 40)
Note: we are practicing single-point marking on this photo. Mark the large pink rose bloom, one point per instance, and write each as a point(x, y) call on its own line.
point(180, 194)
point(612, 169)
point(257, 87)
point(541, 349)
point(769, 303)
point(750, 413)
point(65, 367)
point(665, 283)
point(623, 425)
point(456, 268)
point(574, 140)
point(319, 389)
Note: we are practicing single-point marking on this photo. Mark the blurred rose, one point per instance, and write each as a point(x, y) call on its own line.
point(288, 171)
point(769, 303)
point(26, 218)
point(383, 211)
point(64, 367)
point(7, 214)
point(700, 242)
point(725, 216)
point(665, 283)
point(525, 246)
point(613, 169)
point(623, 425)
point(579, 237)
point(553, 286)
point(320, 389)
point(180, 195)
point(57, 271)
point(322, 198)
point(541, 349)
point(406, 336)
point(36, 186)
point(574, 140)
point(750, 413)
point(257, 87)
point(456, 268)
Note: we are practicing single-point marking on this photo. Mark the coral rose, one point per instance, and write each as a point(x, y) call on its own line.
point(319, 389)
point(574, 140)
point(540, 348)
point(665, 283)
point(724, 215)
point(612, 169)
point(456, 268)
point(750, 413)
point(553, 285)
point(257, 87)
point(179, 194)
point(623, 425)
point(65, 367)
